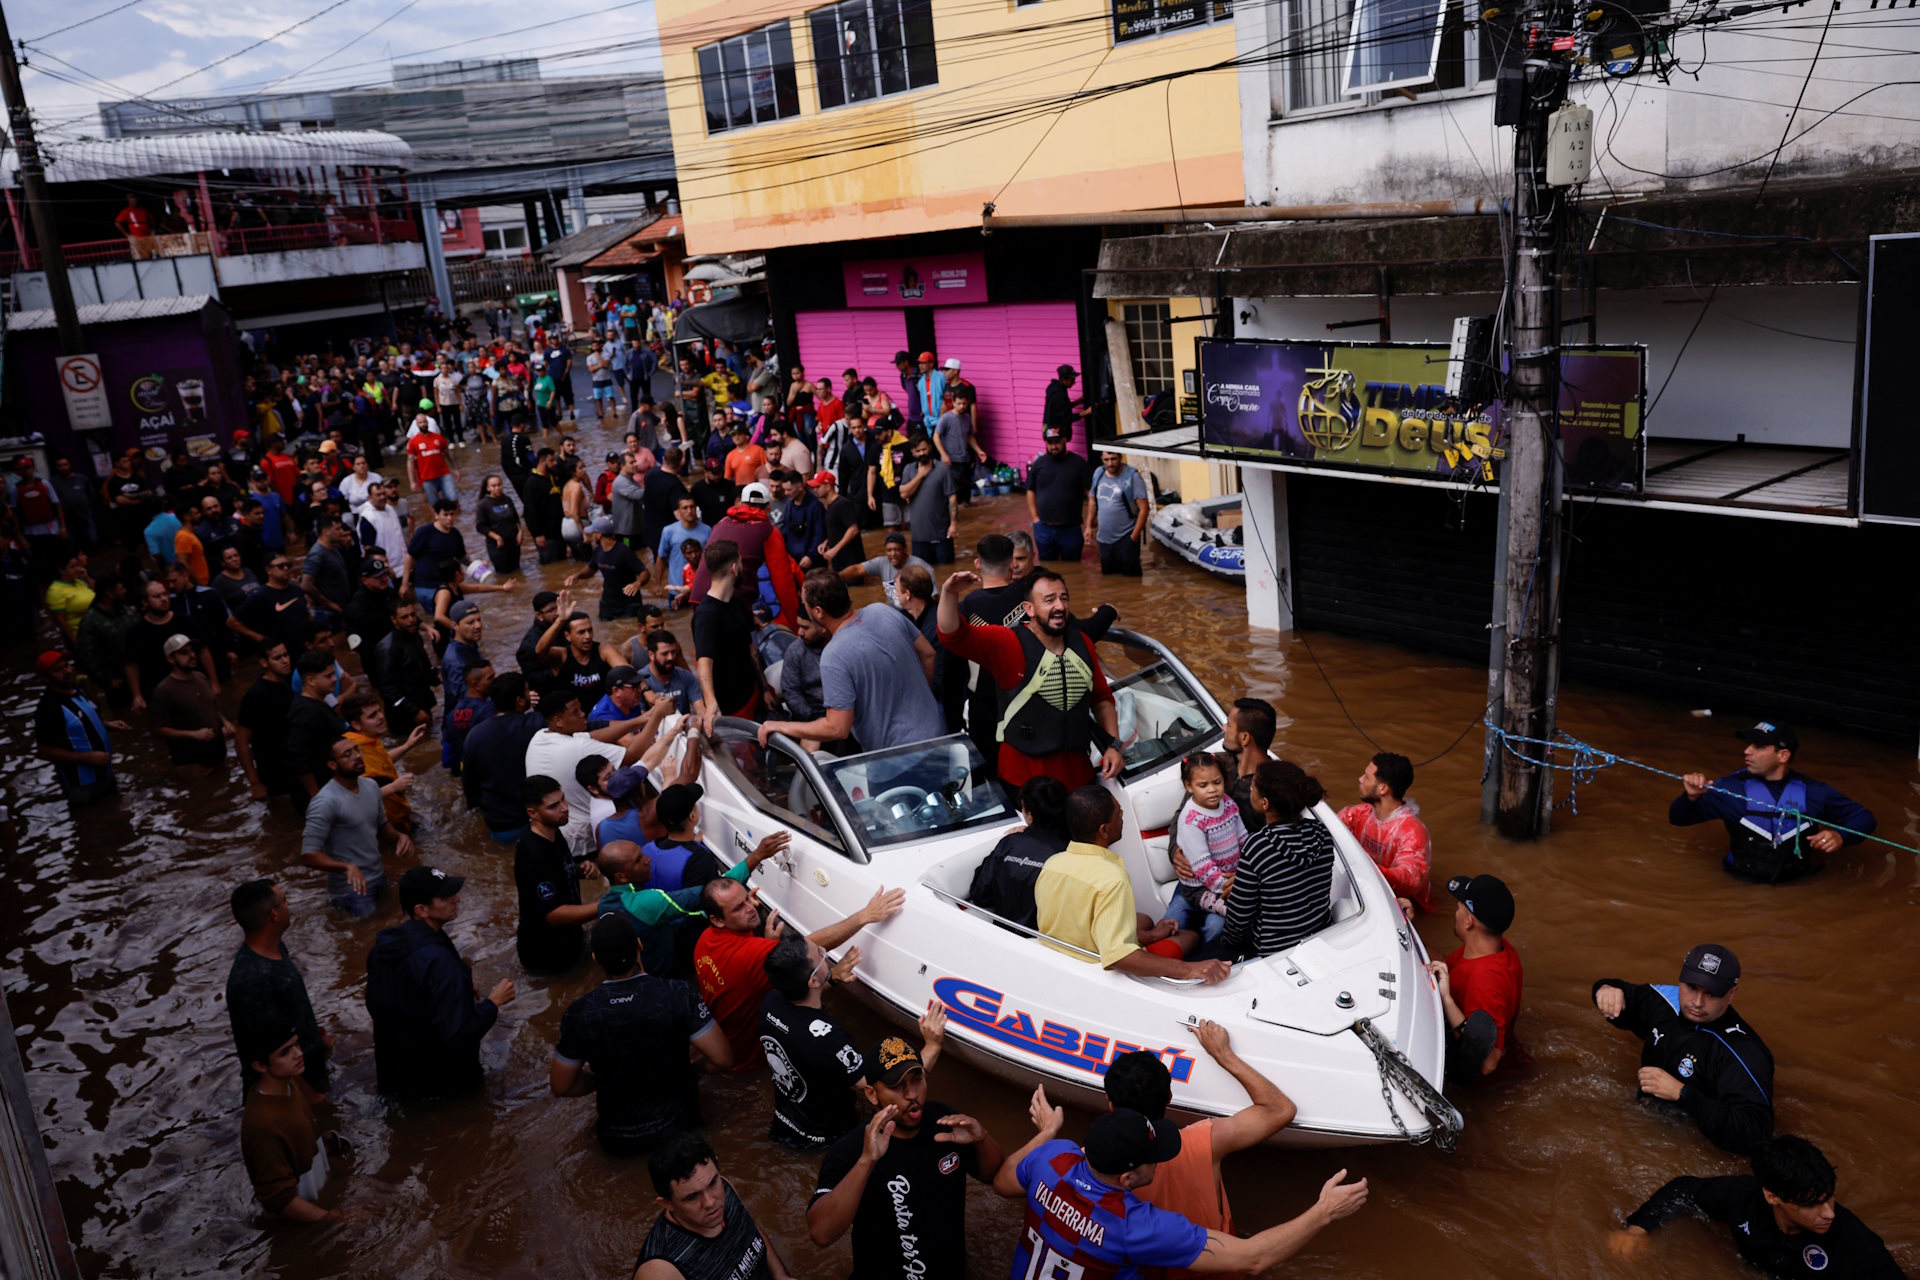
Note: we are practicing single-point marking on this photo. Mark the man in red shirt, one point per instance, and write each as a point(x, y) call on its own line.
point(134, 221)
point(428, 469)
point(828, 406)
point(1388, 827)
point(1055, 702)
point(729, 960)
point(282, 471)
point(1480, 982)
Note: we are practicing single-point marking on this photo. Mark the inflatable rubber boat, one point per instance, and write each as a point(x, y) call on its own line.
point(1191, 530)
point(1347, 1022)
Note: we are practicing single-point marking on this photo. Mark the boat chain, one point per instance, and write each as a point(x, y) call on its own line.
point(1443, 1118)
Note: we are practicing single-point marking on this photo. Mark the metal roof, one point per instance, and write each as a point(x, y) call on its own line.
point(582, 247)
point(114, 312)
point(119, 159)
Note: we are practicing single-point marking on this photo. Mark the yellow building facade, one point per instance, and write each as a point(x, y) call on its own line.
point(1059, 107)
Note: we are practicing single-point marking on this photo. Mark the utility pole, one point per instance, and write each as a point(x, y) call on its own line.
point(33, 185)
point(1530, 477)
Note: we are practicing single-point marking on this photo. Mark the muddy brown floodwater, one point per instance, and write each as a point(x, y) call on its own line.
point(117, 941)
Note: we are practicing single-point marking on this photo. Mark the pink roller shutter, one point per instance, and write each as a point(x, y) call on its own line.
point(1009, 352)
point(831, 341)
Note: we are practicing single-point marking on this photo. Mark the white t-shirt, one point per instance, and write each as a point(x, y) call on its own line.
point(354, 489)
point(557, 755)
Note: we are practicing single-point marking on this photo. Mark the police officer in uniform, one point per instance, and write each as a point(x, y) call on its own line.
point(1699, 1052)
point(1772, 812)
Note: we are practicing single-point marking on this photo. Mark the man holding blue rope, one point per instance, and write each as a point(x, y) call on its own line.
point(1773, 814)
point(1698, 1053)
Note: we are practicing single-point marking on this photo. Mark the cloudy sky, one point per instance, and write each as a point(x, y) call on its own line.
point(139, 50)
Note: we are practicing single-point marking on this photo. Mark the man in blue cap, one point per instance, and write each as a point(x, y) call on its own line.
point(1773, 813)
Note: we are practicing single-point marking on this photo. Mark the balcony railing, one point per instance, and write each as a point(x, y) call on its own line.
point(353, 227)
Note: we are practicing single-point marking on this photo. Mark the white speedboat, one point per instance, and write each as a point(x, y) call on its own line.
point(1347, 1022)
point(1191, 530)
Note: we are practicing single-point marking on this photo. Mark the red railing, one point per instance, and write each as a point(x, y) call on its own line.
point(351, 228)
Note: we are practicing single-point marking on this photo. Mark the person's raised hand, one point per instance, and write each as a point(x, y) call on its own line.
point(884, 905)
point(1212, 1037)
point(880, 1133)
point(960, 1130)
point(769, 846)
point(933, 1024)
point(843, 972)
point(960, 582)
point(1695, 785)
point(1340, 1199)
point(1611, 1001)
point(1047, 1118)
point(403, 784)
point(1437, 969)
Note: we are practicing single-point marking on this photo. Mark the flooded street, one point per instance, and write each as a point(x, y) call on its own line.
point(117, 940)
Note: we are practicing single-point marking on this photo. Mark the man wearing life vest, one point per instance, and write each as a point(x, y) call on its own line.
point(1773, 814)
point(1054, 700)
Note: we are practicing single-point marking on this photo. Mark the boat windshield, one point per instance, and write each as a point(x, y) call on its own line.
point(1161, 719)
point(913, 792)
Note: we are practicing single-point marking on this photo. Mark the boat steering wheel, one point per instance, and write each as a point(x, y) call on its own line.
point(915, 797)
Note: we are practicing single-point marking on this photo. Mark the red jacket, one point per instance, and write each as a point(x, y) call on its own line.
point(751, 529)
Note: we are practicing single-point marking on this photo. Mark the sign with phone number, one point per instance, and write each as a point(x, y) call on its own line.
point(1138, 19)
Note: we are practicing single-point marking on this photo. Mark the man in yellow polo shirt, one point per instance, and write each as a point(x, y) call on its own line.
point(1085, 901)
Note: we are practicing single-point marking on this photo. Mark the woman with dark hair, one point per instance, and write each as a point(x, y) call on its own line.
point(1283, 889)
point(1003, 883)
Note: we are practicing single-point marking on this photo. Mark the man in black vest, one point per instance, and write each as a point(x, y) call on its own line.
point(1054, 701)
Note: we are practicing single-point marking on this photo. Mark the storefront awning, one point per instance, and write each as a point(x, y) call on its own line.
point(122, 159)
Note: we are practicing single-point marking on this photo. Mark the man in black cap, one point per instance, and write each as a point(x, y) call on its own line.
point(901, 1182)
point(623, 699)
point(1773, 813)
point(546, 607)
point(1059, 497)
point(638, 1043)
point(1061, 410)
point(1084, 1218)
point(427, 1026)
point(1480, 982)
point(1784, 1218)
point(1699, 1052)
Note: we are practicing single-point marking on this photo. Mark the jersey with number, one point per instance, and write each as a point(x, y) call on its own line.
point(1080, 1228)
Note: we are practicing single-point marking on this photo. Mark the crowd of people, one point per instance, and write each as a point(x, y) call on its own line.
point(742, 506)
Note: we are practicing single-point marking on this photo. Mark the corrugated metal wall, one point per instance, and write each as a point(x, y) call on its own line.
point(1009, 352)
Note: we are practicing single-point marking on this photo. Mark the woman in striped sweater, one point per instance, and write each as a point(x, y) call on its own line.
point(1283, 889)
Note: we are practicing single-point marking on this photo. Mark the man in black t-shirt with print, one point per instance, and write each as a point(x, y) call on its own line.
point(723, 640)
point(627, 1042)
point(901, 1182)
point(1057, 498)
point(548, 880)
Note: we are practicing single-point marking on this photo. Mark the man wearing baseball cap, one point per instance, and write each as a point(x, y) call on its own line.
point(901, 1182)
point(1480, 982)
point(1061, 409)
point(1773, 813)
point(427, 1026)
point(1059, 497)
point(1082, 1213)
point(69, 732)
point(622, 576)
point(1699, 1052)
point(930, 388)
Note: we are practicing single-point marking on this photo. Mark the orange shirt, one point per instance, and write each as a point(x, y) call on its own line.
point(380, 767)
point(1187, 1185)
point(190, 551)
point(744, 465)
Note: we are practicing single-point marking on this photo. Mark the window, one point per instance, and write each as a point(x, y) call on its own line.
point(1396, 44)
point(865, 49)
point(1339, 53)
point(1315, 38)
point(1149, 346)
point(749, 79)
point(503, 239)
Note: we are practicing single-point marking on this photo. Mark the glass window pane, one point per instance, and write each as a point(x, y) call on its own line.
point(891, 42)
point(825, 25)
point(760, 76)
point(917, 16)
point(786, 91)
point(733, 54)
point(1450, 72)
point(1316, 48)
point(856, 51)
point(1393, 44)
point(711, 92)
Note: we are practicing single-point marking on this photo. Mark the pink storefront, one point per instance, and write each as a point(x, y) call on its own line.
point(1008, 350)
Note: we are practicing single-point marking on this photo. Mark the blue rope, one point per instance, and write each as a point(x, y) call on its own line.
point(1588, 760)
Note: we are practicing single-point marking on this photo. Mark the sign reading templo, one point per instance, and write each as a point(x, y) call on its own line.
point(936, 280)
point(85, 391)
